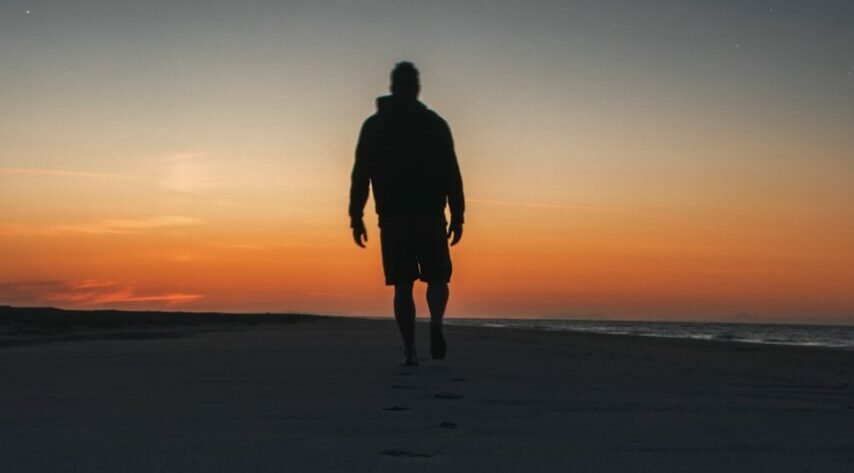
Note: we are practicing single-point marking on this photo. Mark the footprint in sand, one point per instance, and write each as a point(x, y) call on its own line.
point(401, 452)
point(403, 386)
point(395, 408)
point(448, 395)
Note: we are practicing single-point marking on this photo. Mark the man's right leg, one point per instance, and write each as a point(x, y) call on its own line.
point(404, 313)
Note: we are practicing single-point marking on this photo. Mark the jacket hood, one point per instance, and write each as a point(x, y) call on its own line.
point(393, 104)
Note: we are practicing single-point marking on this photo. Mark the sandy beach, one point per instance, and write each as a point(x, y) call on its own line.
point(328, 394)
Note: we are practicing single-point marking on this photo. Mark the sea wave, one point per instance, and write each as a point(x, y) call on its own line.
point(831, 336)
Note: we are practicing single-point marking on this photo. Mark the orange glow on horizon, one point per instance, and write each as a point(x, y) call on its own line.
point(514, 261)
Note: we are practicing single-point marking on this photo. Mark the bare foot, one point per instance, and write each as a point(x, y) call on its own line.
point(411, 358)
point(438, 347)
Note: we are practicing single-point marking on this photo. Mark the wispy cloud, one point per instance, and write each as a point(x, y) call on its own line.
point(240, 246)
point(89, 284)
point(63, 173)
point(186, 172)
point(176, 157)
point(160, 221)
point(541, 205)
point(182, 172)
point(105, 226)
point(19, 229)
point(87, 293)
point(182, 156)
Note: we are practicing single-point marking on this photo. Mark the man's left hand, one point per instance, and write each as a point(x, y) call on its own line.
point(455, 232)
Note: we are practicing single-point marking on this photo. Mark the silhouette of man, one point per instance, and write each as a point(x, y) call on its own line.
point(406, 153)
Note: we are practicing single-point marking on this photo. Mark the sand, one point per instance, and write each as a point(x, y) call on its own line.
point(329, 395)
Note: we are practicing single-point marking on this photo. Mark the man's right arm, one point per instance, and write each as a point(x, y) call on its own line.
point(359, 186)
point(359, 179)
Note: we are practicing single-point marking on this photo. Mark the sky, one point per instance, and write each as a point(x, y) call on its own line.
point(667, 160)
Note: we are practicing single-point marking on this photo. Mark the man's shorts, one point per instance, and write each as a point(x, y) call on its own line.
point(415, 246)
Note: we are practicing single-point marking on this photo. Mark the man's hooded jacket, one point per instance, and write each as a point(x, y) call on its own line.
point(406, 153)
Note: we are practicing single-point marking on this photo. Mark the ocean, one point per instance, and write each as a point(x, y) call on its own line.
point(831, 336)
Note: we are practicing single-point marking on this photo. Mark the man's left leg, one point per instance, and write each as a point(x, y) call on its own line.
point(437, 300)
point(404, 313)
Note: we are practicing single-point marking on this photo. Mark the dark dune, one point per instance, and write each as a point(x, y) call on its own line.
point(28, 325)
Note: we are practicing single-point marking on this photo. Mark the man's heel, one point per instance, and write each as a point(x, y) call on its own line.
point(438, 347)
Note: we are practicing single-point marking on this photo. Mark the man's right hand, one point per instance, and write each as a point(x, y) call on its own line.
point(359, 232)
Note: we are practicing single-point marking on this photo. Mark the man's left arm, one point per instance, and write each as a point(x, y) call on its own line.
point(359, 188)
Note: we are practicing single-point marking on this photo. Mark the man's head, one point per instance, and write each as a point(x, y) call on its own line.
point(404, 81)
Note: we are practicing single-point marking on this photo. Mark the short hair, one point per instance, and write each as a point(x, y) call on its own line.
point(404, 79)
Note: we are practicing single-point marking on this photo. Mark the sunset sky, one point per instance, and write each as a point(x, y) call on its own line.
point(688, 160)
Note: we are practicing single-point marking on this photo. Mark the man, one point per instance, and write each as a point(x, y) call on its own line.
point(406, 153)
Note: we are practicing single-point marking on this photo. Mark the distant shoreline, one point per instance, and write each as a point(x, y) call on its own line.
point(835, 337)
point(30, 325)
